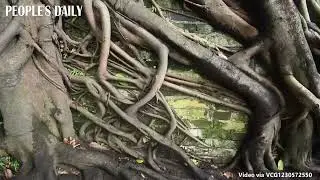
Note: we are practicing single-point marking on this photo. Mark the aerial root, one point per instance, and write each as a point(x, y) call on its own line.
point(173, 122)
point(207, 98)
point(84, 44)
point(206, 86)
point(306, 97)
point(163, 56)
point(66, 38)
point(178, 56)
point(316, 7)
point(150, 159)
point(162, 52)
point(144, 129)
point(130, 37)
point(136, 82)
point(241, 59)
point(105, 48)
point(91, 19)
point(179, 126)
point(136, 64)
point(297, 120)
point(312, 168)
point(243, 56)
point(304, 10)
point(102, 109)
point(311, 31)
point(102, 124)
point(97, 91)
point(88, 9)
point(82, 130)
point(121, 145)
point(132, 61)
point(105, 38)
point(247, 163)
point(159, 138)
point(235, 7)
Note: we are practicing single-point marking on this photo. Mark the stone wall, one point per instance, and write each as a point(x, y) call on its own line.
point(218, 127)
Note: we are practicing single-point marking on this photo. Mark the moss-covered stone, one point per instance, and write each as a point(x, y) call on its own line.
point(222, 115)
point(221, 130)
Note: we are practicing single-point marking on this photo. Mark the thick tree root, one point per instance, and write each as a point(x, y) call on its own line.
point(162, 52)
point(259, 155)
point(218, 13)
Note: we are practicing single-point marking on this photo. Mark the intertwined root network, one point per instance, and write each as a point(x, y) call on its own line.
point(41, 68)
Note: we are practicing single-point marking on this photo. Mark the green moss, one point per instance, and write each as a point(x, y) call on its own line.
point(220, 39)
point(186, 72)
point(222, 115)
point(189, 109)
point(202, 116)
point(233, 125)
point(122, 76)
point(76, 72)
point(185, 102)
point(224, 130)
point(191, 114)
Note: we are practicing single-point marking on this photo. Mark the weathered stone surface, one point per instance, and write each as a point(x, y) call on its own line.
point(221, 133)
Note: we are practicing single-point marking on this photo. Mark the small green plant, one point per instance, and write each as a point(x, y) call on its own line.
point(76, 72)
point(280, 165)
point(140, 161)
point(9, 163)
